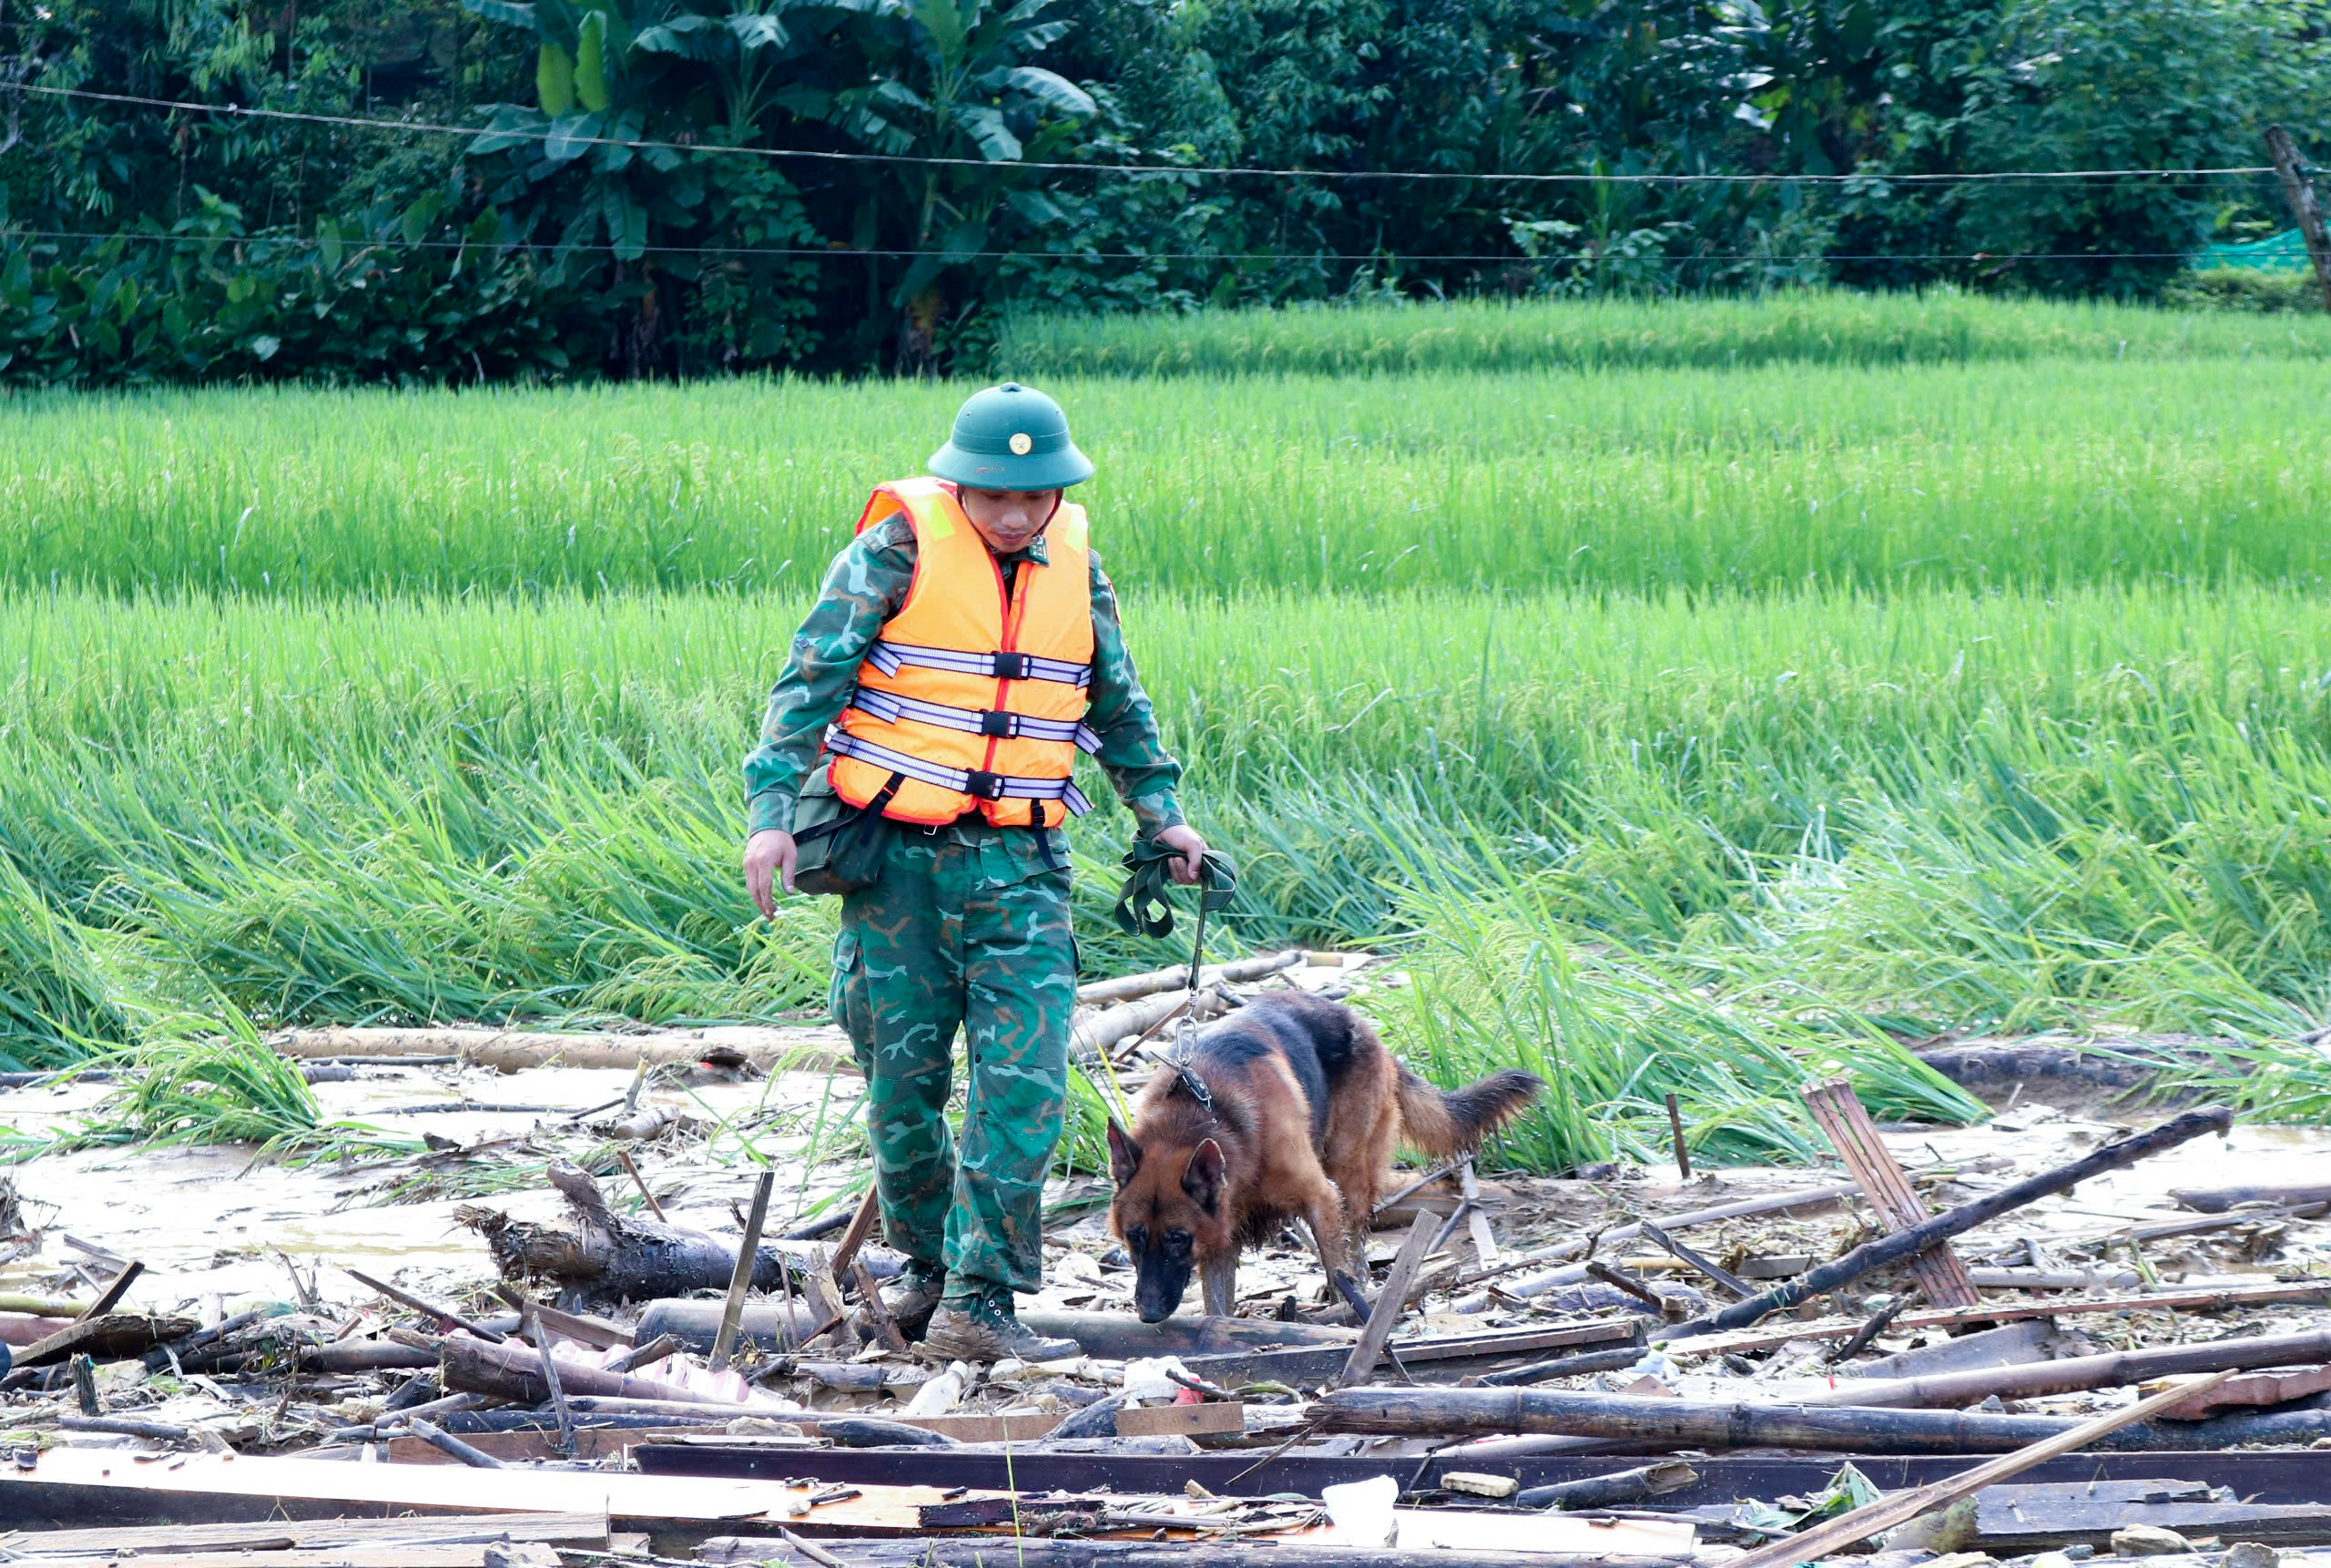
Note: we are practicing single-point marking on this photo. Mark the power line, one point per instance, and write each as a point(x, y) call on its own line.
point(853, 254)
point(2031, 177)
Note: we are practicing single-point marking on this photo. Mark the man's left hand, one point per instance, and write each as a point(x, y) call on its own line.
point(1191, 849)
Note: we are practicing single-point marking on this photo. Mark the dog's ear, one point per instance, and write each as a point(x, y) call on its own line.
point(1125, 1155)
point(1202, 1177)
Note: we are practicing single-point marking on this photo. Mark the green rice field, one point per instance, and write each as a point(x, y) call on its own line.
point(1686, 723)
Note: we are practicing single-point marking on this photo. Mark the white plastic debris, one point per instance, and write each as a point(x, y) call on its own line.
point(941, 1393)
point(1146, 1381)
point(1361, 1511)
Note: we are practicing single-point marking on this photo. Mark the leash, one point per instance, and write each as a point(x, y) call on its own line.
point(1142, 909)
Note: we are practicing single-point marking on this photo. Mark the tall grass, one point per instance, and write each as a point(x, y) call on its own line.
point(1928, 810)
point(1941, 327)
point(2053, 472)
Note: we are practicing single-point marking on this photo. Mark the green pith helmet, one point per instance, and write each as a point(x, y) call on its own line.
point(1010, 437)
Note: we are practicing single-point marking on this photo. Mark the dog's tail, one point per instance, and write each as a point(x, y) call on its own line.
point(1436, 1122)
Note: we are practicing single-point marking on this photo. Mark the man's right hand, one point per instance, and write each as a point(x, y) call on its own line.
point(769, 857)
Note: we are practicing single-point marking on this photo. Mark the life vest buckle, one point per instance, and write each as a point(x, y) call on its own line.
point(999, 724)
point(1014, 665)
point(981, 785)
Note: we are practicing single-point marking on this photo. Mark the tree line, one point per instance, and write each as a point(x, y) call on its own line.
point(977, 157)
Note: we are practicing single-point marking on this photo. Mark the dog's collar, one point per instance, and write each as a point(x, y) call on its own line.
point(1196, 1085)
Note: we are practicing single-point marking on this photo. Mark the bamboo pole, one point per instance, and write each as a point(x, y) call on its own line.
point(2117, 1368)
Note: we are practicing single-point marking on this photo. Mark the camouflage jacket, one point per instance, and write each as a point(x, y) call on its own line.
point(867, 586)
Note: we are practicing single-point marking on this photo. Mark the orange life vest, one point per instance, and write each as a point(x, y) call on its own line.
point(968, 700)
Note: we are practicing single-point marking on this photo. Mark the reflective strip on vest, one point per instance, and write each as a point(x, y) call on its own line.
point(890, 657)
point(891, 706)
point(979, 786)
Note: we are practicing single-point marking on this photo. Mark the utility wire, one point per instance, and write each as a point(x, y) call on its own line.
point(2032, 177)
point(852, 253)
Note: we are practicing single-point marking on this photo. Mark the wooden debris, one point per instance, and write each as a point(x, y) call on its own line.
point(1884, 1514)
point(1128, 987)
point(1838, 1113)
point(515, 1050)
point(1207, 1416)
point(2253, 1390)
point(443, 1316)
point(447, 1443)
point(1479, 1483)
point(108, 1339)
point(740, 1279)
point(2209, 1298)
point(2118, 1369)
point(271, 1537)
point(1390, 1302)
point(1918, 1238)
point(1605, 1491)
point(2223, 1199)
point(1112, 1333)
point(1671, 1423)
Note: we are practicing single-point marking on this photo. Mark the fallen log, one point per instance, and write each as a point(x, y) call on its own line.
point(515, 1372)
point(1111, 1334)
point(609, 1257)
point(814, 1050)
point(1915, 1240)
point(1669, 1423)
point(1127, 987)
point(2119, 1368)
point(1837, 1534)
point(2221, 1200)
point(1095, 1036)
point(106, 1338)
point(1608, 1491)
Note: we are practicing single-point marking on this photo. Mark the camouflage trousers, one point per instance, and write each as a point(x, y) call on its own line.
point(966, 928)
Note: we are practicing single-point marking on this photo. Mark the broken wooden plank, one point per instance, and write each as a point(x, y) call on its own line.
point(1861, 1523)
point(1446, 1353)
point(1840, 1114)
point(271, 1536)
point(2253, 1390)
point(2015, 1519)
point(590, 1443)
point(1038, 1551)
point(2008, 1345)
point(1920, 1238)
point(1391, 1301)
point(2262, 1475)
point(1211, 1417)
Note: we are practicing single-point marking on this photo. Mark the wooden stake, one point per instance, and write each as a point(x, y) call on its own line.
point(623, 1158)
point(116, 1291)
point(878, 1317)
point(443, 1316)
point(1675, 1125)
point(1722, 1277)
point(1391, 1302)
point(861, 1226)
point(741, 1281)
point(2300, 194)
point(565, 1444)
point(1903, 1506)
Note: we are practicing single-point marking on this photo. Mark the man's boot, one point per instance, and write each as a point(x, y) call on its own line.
point(912, 1297)
point(983, 1327)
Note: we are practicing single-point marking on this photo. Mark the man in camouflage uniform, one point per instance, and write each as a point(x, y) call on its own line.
point(967, 925)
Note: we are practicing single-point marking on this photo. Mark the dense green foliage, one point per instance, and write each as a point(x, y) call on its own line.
point(576, 220)
point(2172, 449)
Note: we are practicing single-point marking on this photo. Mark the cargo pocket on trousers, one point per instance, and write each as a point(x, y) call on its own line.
point(846, 989)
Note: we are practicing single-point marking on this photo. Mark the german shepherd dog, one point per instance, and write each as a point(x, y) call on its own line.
point(1289, 1108)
